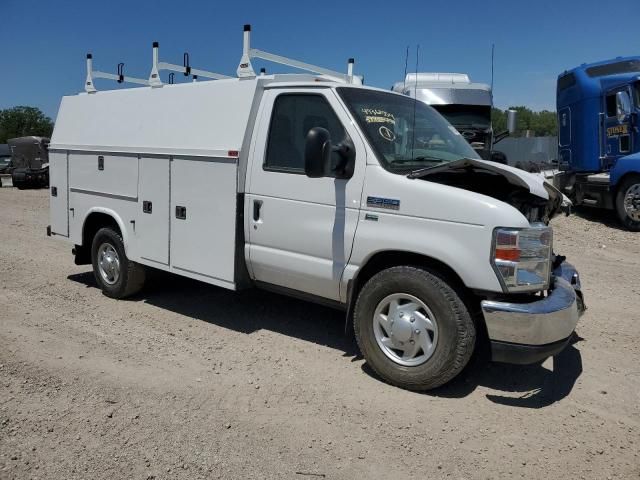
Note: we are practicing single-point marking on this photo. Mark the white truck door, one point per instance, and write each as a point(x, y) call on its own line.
point(59, 193)
point(152, 229)
point(301, 229)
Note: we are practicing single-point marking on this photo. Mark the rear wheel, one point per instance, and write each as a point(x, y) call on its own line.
point(413, 329)
point(628, 203)
point(117, 276)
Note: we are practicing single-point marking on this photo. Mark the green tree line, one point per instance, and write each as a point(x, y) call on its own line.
point(542, 124)
point(24, 121)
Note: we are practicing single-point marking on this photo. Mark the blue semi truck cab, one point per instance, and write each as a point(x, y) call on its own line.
point(598, 107)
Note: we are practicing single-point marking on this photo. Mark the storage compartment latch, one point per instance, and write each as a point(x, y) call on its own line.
point(181, 212)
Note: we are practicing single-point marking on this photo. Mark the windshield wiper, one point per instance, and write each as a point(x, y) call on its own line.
point(421, 171)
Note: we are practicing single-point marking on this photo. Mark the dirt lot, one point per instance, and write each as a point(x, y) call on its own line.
point(192, 381)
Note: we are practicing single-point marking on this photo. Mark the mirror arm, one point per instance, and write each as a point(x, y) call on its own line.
point(501, 136)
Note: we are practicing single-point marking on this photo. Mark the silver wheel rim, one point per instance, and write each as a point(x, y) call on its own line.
point(108, 263)
point(405, 329)
point(632, 202)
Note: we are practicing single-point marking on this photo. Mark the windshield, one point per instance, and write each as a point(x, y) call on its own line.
point(636, 94)
point(476, 116)
point(406, 134)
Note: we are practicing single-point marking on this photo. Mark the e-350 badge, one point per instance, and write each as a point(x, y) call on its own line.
point(386, 203)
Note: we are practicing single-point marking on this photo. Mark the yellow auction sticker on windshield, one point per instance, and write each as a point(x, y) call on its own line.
point(373, 115)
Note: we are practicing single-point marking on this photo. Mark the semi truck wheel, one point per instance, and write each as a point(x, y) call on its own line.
point(628, 203)
point(412, 328)
point(117, 276)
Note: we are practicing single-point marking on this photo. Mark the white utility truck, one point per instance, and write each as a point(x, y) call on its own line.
point(318, 187)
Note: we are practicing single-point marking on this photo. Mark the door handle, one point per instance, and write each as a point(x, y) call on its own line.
point(257, 205)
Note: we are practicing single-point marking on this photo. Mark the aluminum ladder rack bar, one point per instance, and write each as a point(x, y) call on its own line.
point(272, 57)
point(111, 76)
point(89, 87)
point(194, 71)
point(154, 77)
point(245, 69)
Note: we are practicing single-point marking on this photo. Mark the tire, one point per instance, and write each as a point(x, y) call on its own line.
point(452, 336)
point(119, 282)
point(630, 187)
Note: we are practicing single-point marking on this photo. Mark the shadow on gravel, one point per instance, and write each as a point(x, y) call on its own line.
point(538, 386)
point(253, 310)
point(246, 311)
point(599, 215)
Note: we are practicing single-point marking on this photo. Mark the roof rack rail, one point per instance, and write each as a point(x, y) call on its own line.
point(186, 69)
point(119, 77)
point(245, 69)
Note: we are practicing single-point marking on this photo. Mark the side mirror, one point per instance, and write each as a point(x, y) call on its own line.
point(512, 121)
point(317, 153)
point(623, 106)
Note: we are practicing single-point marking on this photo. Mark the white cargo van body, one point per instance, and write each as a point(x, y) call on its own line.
point(318, 187)
point(169, 150)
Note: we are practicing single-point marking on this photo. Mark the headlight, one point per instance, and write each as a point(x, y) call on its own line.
point(522, 257)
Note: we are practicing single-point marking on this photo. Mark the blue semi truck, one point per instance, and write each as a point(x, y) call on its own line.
point(598, 107)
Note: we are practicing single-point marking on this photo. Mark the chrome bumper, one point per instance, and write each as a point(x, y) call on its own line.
point(547, 321)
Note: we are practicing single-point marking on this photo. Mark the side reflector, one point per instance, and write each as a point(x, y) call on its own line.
point(233, 153)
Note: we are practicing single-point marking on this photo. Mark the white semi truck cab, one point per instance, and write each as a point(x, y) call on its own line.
point(317, 187)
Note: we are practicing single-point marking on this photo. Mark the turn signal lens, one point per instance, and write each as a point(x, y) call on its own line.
point(509, 254)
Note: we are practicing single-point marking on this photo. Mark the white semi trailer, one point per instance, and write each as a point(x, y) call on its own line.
point(317, 187)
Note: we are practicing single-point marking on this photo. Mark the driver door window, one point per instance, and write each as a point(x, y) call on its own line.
point(292, 118)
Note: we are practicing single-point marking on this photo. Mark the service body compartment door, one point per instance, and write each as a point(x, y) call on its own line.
point(59, 192)
point(203, 218)
point(152, 229)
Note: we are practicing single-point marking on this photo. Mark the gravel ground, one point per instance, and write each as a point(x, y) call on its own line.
point(192, 381)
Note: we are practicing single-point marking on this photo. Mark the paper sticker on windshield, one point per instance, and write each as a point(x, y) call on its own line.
point(453, 130)
point(372, 115)
point(387, 134)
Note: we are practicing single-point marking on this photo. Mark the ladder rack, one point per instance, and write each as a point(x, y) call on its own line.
point(245, 69)
point(120, 77)
point(186, 69)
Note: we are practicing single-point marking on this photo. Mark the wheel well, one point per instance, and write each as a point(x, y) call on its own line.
point(624, 178)
point(383, 260)
point(94, 222)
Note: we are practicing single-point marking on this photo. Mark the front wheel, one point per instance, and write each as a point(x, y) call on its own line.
point(117, 276)
point(628, 203)
point(412, 328)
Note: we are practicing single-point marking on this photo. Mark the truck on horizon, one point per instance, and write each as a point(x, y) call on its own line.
point(598, 105)
point(29, 164)
point(465, 104)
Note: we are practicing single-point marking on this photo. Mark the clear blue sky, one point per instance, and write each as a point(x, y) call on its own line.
point(43, 43)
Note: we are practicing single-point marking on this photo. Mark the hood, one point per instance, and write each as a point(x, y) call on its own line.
point(478, 175)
